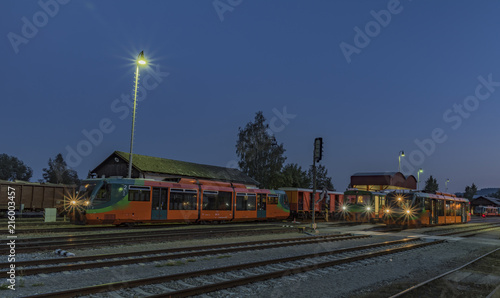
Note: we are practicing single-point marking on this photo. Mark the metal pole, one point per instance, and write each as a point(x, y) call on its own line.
point(313, 199)
point(133, 124)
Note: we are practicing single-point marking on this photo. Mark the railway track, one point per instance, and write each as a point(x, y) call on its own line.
point(25, 230)
point(74, 242)
point(459, 227)
point(71, 264)
point(475, 229)
point(446, 284)
point(205, 281)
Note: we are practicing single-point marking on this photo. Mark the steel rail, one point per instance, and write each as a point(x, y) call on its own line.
point(157, 251)
point(441, 275)
point(108, 241)
point(467, 231)
point(148, 259)
point(165, 278)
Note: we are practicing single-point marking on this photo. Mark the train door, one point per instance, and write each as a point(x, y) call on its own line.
point(377, 206)
point(261, 205)
point(159, 204)
point(433, 218)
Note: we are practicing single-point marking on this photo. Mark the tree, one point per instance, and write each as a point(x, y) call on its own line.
point(495, 194)
point(294, 176)
point(58, 172)
point(260, 156)
point(322, 179)
point(431, 185)
point(11, 168)
point(470, 191)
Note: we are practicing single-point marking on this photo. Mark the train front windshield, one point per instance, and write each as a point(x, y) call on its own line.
point(95, 193)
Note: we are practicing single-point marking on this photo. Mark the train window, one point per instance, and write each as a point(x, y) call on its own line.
point(261, 202)
point(427, 204)
point(103, 195)
point(183, 199)
point(272, 199)
point(449, 208)
point(365, 199)
point(217, 200)
point(139, 193)
point(458, 208)
point(246, 202)
point(440, 208)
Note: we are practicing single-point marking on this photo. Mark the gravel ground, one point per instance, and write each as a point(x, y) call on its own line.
point(390, 273)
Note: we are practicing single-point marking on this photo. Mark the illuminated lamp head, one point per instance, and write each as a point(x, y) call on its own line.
point(141, 60)
point(73, 202)
point(344, 207)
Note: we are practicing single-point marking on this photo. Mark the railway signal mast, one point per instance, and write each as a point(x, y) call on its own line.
point(318, 154)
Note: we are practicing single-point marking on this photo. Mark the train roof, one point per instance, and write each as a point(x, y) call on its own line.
point(309, 190)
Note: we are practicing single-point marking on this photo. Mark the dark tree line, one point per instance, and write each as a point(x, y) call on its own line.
point(262, 158)
point(12, 168)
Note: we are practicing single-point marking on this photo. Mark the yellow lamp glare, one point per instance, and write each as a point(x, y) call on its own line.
point(408, 211)
point(387, 210)
point(344, 207)
point(368, 208)
point(141, 60)
point(73, 202)
point(87, 203)
point(399, 198)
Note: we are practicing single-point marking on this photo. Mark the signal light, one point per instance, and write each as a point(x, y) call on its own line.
point(318, 149)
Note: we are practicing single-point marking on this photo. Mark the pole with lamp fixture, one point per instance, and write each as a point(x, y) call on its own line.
point(141, 61)
point(401, 154)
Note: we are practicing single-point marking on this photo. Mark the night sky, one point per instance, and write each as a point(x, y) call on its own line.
point(418, 76)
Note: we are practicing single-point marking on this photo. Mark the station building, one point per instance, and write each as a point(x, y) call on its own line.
point(163, 169)
point(379, 181)
point(484, 201)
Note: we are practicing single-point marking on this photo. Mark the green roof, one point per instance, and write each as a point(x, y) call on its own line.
point(188, 169)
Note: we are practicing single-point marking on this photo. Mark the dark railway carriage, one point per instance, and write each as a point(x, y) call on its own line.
point(425, 209)
point(486, 211)
point(300, 202)
point(119, 201)
point(35, 196)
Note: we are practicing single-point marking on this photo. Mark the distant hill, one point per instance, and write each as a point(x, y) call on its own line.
point(486, 191)
point(481, 192)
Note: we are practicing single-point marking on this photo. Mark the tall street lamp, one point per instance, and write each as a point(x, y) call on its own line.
point(446, 184)
point(141, 61)
point(418, 178)
point(401, 153)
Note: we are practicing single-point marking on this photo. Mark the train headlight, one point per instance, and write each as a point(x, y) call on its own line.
point(344, 207)
point(399, 198)
point(407, 211)
point(387, 211)
point(368, 208)
point(73, 202)
point(87, 203)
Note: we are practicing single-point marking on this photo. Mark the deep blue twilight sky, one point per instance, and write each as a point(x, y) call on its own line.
point(431, 70)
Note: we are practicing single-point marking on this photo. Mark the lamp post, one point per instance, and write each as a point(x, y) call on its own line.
point(418, 178)
point(141, 61)
point(401, 154)
point(446, 184)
